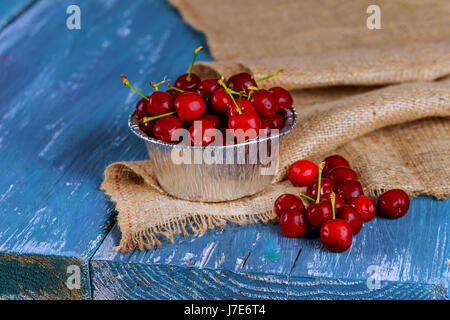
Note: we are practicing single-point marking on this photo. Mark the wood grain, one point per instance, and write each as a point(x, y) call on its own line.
point(258, 262)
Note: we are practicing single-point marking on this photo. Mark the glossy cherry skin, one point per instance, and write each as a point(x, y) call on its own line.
point(287, 201)
point(348, 190)
point(141, 108)
point(214, 119)
point(282, 97)
point(190, 106)
point(338, 201)
point(209, 85)
point(240, 82)
point(264, 103)
point(202, 132)
point(319, 213)
point(147, 127)
point(341, 174)
point(352, 216)
point(173, 93)
point(165, 127)
point(160, 102)
point(220, 101)
point(204, 94)
point(303, 172)
point(185, 85)
point(336, 235)
point(393, 203)
point(244, 105)
point(276, 121)
point(246, 121)
point(332, 162)
point(326, 186)
point(293, 223)
point(365, 206)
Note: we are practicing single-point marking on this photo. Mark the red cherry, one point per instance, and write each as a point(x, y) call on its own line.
point(202, 132)
point(319, 213)
point(265, 125)
point(215, 120)
point(276, 121)
point(264, 103)
point(240, 82)
point(244, 105)
point(141, 108)
point(336, 235)
point(334, 161)
point(220, 101)
point(204, 94)
point(247, 122)
point(341, 174)
point(187, 85)
point(165, 127)
point(173, 93)
point(160, 102)
point(287, 201)
point(147, 127)
point(189, 106)
point(326, 186)
point(303, 172)
point(293, 223)
point(352, 216)
point(338, 201)
point(348, 190)
point(365, 206)
point(394, 203)
point(209, 85)
point(282, 97)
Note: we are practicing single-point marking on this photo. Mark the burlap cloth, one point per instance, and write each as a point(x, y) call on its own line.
point(380, 98)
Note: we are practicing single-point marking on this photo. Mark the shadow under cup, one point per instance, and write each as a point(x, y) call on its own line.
point(215, 173)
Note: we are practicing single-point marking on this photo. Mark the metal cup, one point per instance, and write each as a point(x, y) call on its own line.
point(214, 173)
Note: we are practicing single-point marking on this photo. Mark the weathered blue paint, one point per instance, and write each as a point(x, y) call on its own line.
point(63, 119)
point(11, 10)
point(258, 262)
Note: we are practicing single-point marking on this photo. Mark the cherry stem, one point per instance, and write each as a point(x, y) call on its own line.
point(319, 181)
point(127, 83)
point(175, 88)
point(188, 78)
point(156, 85)
point(148, 119)
point(270, 76)
point(222, 83)
point(333, 202)
point(306, 197)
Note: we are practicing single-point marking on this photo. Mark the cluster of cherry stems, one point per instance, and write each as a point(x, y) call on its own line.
point(205, 106)
point(339, 209)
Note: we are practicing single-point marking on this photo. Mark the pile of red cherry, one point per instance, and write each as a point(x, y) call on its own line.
point(235, 104)
point(339, 209)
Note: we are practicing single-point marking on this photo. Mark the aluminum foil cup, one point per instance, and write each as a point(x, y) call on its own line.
point(215, 173)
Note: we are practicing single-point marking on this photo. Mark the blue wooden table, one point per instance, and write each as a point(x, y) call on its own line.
point(63, 120)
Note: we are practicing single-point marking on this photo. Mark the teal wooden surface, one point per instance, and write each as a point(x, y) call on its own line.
point(63, 119)
point(410, 256)
point(11, 10)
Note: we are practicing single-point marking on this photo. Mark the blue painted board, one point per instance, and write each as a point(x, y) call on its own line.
point(409, 257)
point(12, 9)
point(63, 119)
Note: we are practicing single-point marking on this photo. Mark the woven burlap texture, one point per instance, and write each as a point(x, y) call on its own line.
point(380, 98)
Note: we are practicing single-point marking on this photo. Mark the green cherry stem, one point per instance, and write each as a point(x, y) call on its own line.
point(222, 83)
point(319, 181)
point(188, 78)
point(175, 88)
point(306, 197)
point(270, 76)
point(333, 201)
point(127, 83)
point(148, 119)
point(156, 85)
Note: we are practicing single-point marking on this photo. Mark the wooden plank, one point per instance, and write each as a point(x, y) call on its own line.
point(11, 10)
point(258, 262)
point(63, 119)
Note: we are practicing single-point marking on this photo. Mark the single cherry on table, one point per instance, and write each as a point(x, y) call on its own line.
point(352, 216)
point(319, 213)
point(394, 203)
point(334, 161)
point(349, 189)
point(326, 186)
point(293, 223)
point(365, 206)
point(341, 174)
